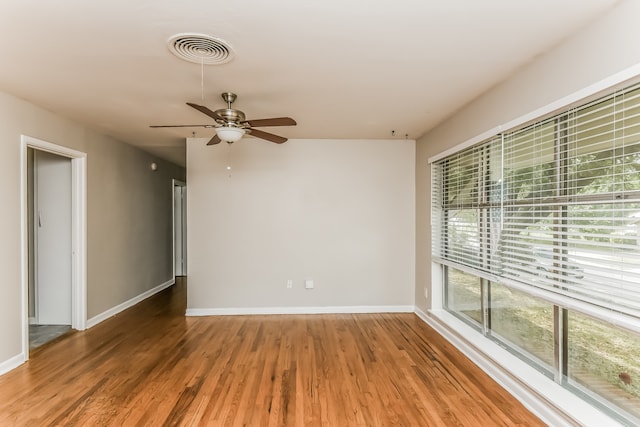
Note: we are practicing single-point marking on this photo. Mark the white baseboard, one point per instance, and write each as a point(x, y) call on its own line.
point(552, 403)
point(299, 310)
point(127, 304)
point(12, 363)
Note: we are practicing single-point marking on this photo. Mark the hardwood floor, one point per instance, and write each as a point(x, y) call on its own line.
point(152, 366)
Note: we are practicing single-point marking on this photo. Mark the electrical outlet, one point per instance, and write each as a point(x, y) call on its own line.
point(289, 284)
point(308, 283)
point(426, 292)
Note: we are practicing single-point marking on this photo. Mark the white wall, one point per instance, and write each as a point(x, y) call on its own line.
point(605, 48)
point(340, 212)
point(128, 216)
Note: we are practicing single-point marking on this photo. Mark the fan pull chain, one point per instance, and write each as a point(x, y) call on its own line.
point(229, 160)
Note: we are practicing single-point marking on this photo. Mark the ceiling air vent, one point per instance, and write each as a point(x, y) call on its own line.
point(200, 48)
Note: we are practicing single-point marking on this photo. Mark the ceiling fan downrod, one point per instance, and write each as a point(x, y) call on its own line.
point(229, 97)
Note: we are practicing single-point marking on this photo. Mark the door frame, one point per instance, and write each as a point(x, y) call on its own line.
point(78, 233)
point(177, 183)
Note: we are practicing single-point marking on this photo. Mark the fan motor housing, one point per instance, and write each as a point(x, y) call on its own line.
point(231, 116)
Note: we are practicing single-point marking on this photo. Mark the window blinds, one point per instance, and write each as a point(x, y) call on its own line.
point(555, 205)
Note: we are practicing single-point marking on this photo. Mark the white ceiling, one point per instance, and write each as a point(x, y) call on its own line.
point(341, 68)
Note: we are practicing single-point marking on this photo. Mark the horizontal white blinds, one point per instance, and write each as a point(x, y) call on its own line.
point(457, 195)
point(554, 205)
point(459, 192)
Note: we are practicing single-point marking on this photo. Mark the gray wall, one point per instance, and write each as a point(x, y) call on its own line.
point(129, 219)
point(129, 215)
point(597, 52)
point(338, 211)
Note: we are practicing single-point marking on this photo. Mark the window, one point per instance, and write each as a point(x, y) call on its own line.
point(525, 323)
point(538, 233)
point(463, 295)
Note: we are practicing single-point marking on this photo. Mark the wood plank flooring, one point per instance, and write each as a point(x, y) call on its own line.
point(152, 366)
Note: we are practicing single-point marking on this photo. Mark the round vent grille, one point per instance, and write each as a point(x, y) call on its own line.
point(200, 48)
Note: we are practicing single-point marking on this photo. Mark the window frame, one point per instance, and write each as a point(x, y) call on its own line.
point(562, 303)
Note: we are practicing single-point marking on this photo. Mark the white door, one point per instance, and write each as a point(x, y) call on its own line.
point(52, 218)
point(179, 227)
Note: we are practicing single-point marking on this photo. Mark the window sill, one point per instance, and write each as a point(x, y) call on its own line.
point(551, 402)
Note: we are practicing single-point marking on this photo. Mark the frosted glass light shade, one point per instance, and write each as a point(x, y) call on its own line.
point(230, 134)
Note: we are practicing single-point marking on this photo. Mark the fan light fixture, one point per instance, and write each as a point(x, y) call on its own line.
point(230, 134)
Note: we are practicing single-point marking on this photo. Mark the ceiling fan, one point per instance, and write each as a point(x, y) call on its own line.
point(231, 124)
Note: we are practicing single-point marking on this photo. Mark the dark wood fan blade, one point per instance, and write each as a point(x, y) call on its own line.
point(182, 126)
point(268, 136)
point(215, 140)
point(205, 110)
point(276, 121)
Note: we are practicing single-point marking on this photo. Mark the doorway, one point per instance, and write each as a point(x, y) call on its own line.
point(179, 228)
point(54, 241)
point(49, 233)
